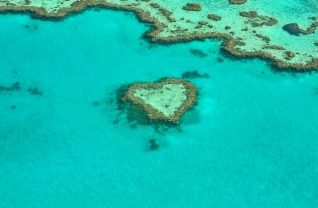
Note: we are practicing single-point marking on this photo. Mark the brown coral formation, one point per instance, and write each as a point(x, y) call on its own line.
point(263, 37)
point(256, 20)
point(167, 14)
point(237, 1)
point(192, 7)
point(229, 46)
point(274, 47)
point(214, 17)
point(289, 55)
point(155, 5)
point(294, 29)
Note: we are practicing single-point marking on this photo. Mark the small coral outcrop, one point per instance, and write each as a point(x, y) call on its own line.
point(237, 1)
point(192, 7)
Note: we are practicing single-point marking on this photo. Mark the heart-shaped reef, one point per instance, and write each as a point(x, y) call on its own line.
point(165, 100)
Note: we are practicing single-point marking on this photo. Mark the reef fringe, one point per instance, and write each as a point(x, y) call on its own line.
point(228, 44)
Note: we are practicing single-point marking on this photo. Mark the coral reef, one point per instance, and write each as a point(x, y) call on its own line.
point(192, 7)
point(214, 17)
point(166, 100)
point(256, 20)
point(294, 29)
point(237, 1)
point(243, 32)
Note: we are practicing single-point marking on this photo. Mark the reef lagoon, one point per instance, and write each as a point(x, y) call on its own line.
point(251, 140)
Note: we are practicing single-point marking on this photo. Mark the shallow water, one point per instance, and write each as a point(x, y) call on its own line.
point(251, 141)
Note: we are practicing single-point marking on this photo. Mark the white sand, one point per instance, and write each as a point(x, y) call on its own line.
point(166, 100)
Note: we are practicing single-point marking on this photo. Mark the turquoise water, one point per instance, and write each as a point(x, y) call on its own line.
point(252, 140)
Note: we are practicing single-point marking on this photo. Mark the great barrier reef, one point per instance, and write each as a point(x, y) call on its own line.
point(158, 104)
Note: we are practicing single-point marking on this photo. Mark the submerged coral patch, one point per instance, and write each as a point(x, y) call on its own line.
point(193, 75)
point(31, 27)
point(14, 87)
point(256, 20)
point(294, 29)
point(153, 144)
point(214, 17)
point(237, 1)
point(34, 91)
point(192, 7)
point(197, 52)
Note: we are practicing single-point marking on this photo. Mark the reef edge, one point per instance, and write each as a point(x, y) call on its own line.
point(228, 43)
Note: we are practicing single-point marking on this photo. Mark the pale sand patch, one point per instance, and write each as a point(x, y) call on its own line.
point(167, 100)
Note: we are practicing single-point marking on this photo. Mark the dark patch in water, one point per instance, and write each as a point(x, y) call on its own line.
point(111, 101)
point(153, 145)
point(135, 113)
point(17, 87)
point(13, 107)
point(34, 91)
point(152, 45)
point(119, 93)
point(133, 126)
point(316, 91)
point(193, 75)
point(219, 60)
point(31, 27)
point(291, 29)
point(96, 103)
point(199, 53)
point(115, 121)
point(14, 87)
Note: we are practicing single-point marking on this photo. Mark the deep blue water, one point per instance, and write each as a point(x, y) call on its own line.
point(252, 140)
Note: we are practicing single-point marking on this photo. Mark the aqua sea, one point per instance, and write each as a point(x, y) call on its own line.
point(251, 141)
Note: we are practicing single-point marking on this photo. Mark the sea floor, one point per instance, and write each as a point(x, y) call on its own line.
point(251, 141)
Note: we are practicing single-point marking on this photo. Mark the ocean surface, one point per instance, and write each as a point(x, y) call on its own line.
point(251, 141)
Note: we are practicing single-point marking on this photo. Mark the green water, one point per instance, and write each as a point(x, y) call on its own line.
point(251, 141)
